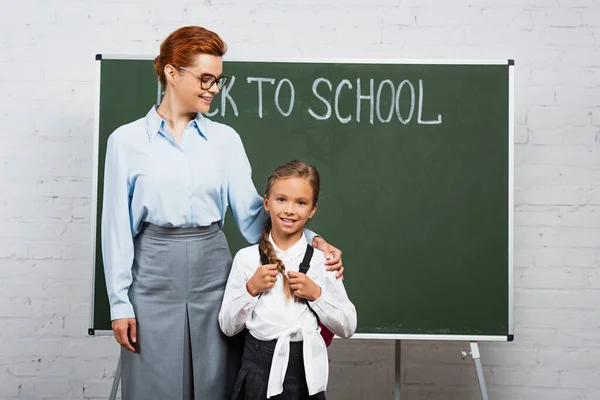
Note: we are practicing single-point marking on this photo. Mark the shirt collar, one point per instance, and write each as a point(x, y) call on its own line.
point(155, 124)
point(298, 249)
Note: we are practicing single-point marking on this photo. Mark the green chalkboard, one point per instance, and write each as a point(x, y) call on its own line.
point(415, 162)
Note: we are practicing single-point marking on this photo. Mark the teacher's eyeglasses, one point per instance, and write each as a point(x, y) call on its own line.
point(207, 80)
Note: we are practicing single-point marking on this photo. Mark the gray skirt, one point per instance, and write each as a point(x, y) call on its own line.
point(179, 277)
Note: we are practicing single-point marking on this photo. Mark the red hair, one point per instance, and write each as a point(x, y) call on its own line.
point(182, 46)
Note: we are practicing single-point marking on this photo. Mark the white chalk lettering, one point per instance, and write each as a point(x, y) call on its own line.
point(378, 107)
point(292, 96)
point(343, 83)
point(260, 94)
point(420, 111)
point(225, 96)
point(385, 105)
point(412, 101)
point(323, 99)
point(360, 97)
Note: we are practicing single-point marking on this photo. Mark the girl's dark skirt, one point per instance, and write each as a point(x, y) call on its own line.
point(179, 277)
point(253, 378)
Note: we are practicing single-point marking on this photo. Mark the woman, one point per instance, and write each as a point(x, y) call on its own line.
point(169, 179)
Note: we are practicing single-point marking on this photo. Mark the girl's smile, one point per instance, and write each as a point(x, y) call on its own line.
point(288, 222)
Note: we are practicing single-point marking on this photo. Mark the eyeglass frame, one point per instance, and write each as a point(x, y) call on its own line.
point(201, 76)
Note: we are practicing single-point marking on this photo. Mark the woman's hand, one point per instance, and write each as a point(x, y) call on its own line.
point(332, 254)
point(263, 279)
point(302, 286)
point(125, 331)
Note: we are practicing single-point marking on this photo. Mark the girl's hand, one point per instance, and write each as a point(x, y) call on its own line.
point(125, 331)
point(332, 254)
point(302, 286)
point(263, 279)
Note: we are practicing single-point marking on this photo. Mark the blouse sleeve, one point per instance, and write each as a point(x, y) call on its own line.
point(237, 302)
point(245, 202)
point(334, 308)
point(116, 235)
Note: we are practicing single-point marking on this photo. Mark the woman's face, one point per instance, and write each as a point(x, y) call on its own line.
point(189, 84)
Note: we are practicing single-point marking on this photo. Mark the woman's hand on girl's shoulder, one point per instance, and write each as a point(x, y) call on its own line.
point(333, 256)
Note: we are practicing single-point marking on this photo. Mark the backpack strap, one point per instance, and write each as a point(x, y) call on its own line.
point(305, 264)
point(264, 260)
point(263, 257)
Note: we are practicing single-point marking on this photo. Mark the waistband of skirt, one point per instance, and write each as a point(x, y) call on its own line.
point(268, 346)
point(183, 232)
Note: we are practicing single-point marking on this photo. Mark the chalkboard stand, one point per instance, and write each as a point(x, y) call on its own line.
point(477, 358)
point(398, 366)
point(115, 386)
point(473, 353)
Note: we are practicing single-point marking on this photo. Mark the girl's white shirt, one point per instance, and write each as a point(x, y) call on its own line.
point(271, 316)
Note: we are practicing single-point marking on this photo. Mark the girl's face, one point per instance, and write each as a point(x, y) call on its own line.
point(290, 205)
point(188, 83)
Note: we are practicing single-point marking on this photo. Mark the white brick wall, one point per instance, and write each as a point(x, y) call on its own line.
point(47, 93)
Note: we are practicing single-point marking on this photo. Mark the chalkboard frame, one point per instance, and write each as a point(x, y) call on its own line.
point(510, 200)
